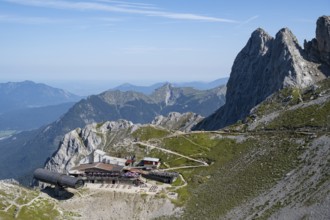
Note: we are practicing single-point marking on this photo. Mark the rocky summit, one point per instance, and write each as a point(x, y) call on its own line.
point(266, 65)
point(318, 49)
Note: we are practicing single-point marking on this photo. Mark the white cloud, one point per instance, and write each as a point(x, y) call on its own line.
point(5, 18)
point(250, 19)
point(247, 21)
point(108, 19)
point(131, 4)
point(113, 6)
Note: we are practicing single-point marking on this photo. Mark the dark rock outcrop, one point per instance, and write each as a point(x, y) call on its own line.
point(265, 65)
point(323, 34)
point(318, 49)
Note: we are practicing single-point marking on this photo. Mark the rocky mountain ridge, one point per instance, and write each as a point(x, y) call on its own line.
point(112, 136)
point(318, 49)
point(140, 108)
point(177, 121)
point(80, 142)
point(107, 106)
point(147, 90)
point(273, 164)
point(266, 65)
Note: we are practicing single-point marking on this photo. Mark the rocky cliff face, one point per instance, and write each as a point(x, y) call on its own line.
point(108, 106)
point(177, 121)
point(79, 143)
point(114, 136)
point(318, 49)
point(267, 64)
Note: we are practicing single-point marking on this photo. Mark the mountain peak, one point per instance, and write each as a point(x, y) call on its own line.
point(318, 49)
point(20, 95)
point(166, 85)
point(266, 65)
point(259, 33)
point(323, 34)
point(258, 43)
point(286, 36)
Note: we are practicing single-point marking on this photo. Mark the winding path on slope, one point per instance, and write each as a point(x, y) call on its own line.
point(174, 153)
point(20, 206)
point(26, 204)
point(203, 163)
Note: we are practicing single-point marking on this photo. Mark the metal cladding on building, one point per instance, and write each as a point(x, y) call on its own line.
point(57, 179)
point(165, 177)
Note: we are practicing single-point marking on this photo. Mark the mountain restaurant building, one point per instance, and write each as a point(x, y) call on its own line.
point(105, 173)
point(150, 162)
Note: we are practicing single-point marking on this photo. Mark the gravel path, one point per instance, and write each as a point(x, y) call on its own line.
point(171, 152)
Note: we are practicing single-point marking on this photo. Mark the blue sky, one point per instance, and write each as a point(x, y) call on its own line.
point(141, 41)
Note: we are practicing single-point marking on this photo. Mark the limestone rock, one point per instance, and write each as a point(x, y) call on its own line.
point(177, 121)
point(323, 34)
point(79, 143)
point(264, 66)
point(318, 49)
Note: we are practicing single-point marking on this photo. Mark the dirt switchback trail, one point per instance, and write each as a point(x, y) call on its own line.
point(172, 152)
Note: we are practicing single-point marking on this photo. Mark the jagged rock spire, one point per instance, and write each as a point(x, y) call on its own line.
point(265, 65)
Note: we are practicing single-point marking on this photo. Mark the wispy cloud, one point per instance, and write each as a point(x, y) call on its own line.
point(115, 6)
point(131, 4)
point(249, 20)
point(108, 19)
point(5, 18)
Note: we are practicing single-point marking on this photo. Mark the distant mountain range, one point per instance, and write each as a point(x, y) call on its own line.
point(140, 108)
point(28, 105)
point(150, 89)
point(271, 160)
point(108, 106)
point(28, 94)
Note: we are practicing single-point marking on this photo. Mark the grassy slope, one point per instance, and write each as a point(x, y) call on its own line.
point(239, 170)
point(242, 171)
point(311, 116)
point(149, 132)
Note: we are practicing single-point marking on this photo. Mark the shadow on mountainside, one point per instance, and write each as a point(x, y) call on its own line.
point(58, 194)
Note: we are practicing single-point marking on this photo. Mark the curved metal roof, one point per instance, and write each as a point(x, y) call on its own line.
point(57, 179)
